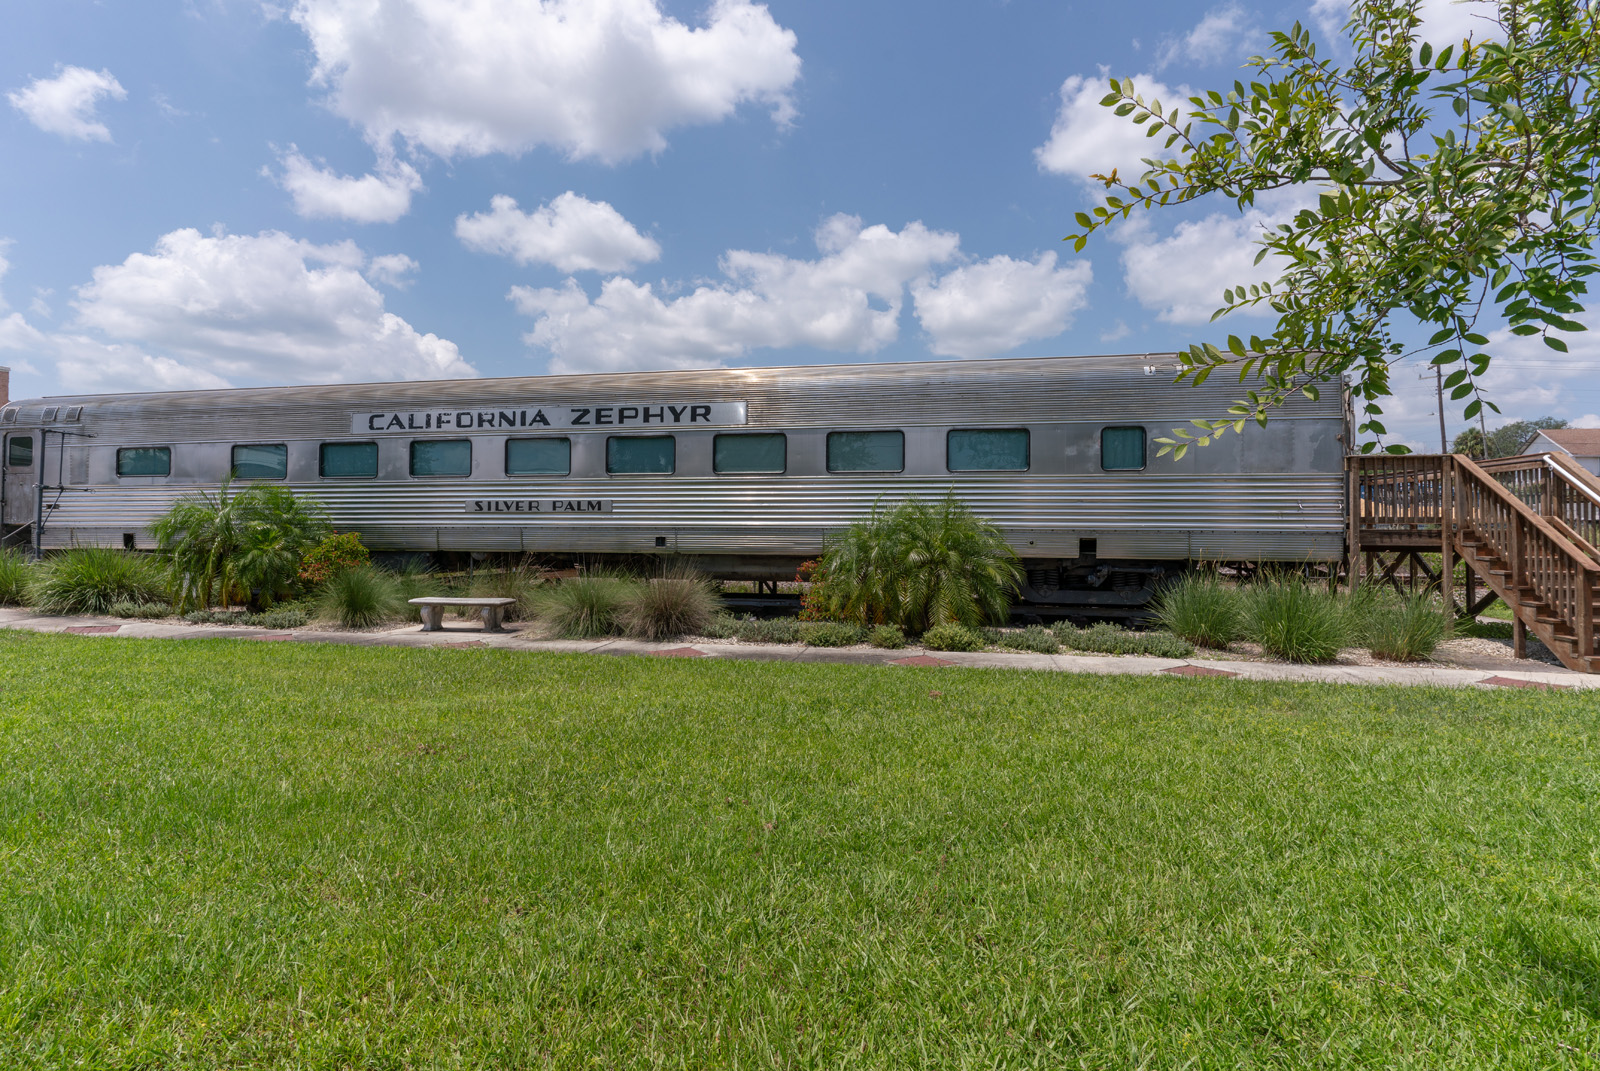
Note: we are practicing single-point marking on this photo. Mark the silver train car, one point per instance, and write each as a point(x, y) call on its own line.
point(743, 473)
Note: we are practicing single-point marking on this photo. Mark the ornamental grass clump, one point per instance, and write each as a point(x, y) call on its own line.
point(1035, 639)
point(91, 580)
point(520, 582)
point(1295, 621)
point(132, 608)
point(15, 576)
point(918, 565)
point(363, 597)
point(1200, 608)
point(583, 607)
point(1405, 630)
point(667, 607)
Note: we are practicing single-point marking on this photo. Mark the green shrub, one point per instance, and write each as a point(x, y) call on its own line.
point(950, 637)
point(722, 627)
point(133, 608)
point(1103, 637)
point(15, 577)
point(772, 630)
point(362, 597)
point(916, 566)
point(279, 619)
point(666, 607)
point(237, 547)
point(1201, 609)
point(1406, 630)
point(1295, 621)
point(889, 637)
point(90, 580)
point(1034, 638)
point(333, 555)
point(582, 607)
point(519, 582)
point(830, 634)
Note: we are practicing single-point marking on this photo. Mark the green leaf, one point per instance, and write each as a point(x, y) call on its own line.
point(1083, 219)
point(1555, 344)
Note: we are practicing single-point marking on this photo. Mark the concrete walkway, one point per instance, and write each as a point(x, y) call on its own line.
point(462, 635)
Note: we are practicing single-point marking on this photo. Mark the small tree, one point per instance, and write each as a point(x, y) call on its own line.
point(237, 547)
point(1507, 441)
point(919, 565)
point(1453, 191)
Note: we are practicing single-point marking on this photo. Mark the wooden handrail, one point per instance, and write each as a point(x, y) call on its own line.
point(1558, 488)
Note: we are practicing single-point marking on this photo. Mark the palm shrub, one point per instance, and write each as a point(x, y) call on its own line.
point(360, 598)
point(91, 580)
point(919, 565)
point(14, 577)
point(668, 606)
point(1296, 621)
point(1201, 609)
point(583, 606)
point(241, 546)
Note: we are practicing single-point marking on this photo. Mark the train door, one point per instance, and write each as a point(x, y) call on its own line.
point(19, 461)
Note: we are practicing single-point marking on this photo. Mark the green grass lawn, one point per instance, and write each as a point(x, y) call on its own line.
point(227, 854)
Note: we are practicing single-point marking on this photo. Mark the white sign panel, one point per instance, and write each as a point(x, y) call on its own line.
point(523, 418)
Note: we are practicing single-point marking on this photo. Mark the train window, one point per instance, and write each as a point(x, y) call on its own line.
point(19, 452)
point(1121, 448)
point(538, 457)
point(755, 452)
point(348, 461)
point(866, 451)
point(987, 450)
point(628, 455)
point(442, 457)
point(144, 461)
point(261, 461)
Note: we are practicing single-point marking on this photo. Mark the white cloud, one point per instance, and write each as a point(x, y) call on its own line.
point(996, 305)
point(571, 232)
point(391, 270)
point(603, 80)
point(1587, 420)
point(1224, 34)
point(1444, 22)
point(1087, 138)
point(65, 104)
point(5, 266)
point(1181, 276)
point(847, 300)
point(382, 197)
point(263, 308)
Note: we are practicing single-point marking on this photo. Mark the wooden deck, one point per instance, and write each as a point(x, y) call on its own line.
point(1528, 528)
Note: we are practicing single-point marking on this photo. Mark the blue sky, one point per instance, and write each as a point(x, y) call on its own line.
point(230, 192)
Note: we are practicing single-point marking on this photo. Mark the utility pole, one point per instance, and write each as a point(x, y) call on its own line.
point(1438, 379)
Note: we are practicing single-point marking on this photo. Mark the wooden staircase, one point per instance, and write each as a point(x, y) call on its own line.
point(1529, 527)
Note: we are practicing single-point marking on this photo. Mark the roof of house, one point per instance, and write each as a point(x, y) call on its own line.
point(1579, 442)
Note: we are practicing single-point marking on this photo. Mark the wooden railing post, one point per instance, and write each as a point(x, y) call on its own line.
point(1447, 533)
point(1587, 590)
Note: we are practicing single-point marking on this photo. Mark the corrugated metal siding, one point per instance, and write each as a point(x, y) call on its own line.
point(1243, 516)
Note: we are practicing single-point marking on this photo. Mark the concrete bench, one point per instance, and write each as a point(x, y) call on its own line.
point(492, 611)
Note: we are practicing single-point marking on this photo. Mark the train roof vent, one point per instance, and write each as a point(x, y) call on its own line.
point(74, 414)
point(9, 416)
point(50, 413)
